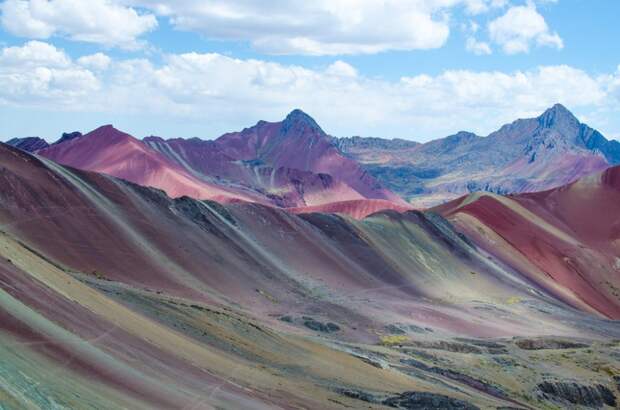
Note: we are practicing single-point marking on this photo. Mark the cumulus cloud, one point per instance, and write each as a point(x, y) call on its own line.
point(340, 68)
point(34, 53)
point(477, 47)
point(219, 91)
point(520, 27)
point(96, 21)
point(97, 61)
point(39, 74)
point(321, 27)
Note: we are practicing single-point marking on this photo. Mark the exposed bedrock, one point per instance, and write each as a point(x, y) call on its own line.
point(427, 401)
point(590, 396)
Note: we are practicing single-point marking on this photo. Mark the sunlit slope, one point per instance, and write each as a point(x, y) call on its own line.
point(567, 240)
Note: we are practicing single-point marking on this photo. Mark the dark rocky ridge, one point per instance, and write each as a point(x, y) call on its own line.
point(590, 396)
point(68, 136)
point(28, 144)
point(427, 401)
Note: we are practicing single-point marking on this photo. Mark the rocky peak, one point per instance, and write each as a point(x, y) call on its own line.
point(558, 117)
point(299, 121)
point(68, 136)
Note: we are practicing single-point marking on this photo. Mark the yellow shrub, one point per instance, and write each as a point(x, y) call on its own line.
point(393, 340)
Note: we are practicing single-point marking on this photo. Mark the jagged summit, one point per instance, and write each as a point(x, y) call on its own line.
point(557, 116)
point(68, 136)
point(297, 119)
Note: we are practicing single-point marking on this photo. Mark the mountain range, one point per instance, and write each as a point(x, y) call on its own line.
point(281, 267)
point(527, 155)
point(114, 294)
point(291, 163)
point(294, 163)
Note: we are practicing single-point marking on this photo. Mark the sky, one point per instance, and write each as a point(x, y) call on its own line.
point(414, 69)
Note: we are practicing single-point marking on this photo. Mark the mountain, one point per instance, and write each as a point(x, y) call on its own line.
point(284, 158)
point(291, 163)
point(556, 236)
point(33, 144)
point(28, 144)
point(110, 151)
point(524, 156)
point(116, 295)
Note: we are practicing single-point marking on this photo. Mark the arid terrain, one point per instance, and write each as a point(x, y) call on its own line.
point(116, 295)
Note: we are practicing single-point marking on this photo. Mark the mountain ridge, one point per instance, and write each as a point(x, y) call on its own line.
point(526, 155)
point(282, 162)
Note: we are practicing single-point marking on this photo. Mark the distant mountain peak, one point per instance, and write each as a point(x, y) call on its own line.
point(28, 144)
point(558, 115)
point(68, 136)
point(463, 135)
point(299, 119)
point(107, 127)
point(107, 131)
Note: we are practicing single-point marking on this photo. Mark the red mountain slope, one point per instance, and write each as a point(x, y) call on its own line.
point(110, 151)
point(567, 239)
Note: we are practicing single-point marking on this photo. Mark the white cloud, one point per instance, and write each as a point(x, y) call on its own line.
point(96, 21)
point(477, 47)
point(220, 91)
point(521, 26)
point(38, 74)
point(340, 68)
point(97, 61)
point(318, 27)
point(34, 53)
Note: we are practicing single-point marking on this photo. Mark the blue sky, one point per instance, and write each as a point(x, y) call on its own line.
point(418, 69)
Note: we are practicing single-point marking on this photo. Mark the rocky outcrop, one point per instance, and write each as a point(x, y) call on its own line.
point(458, 377)
point(68, 136)
point(590, 396)
point(543, 343)
point(358, 395)
point(315, 325)
point(427, 401)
